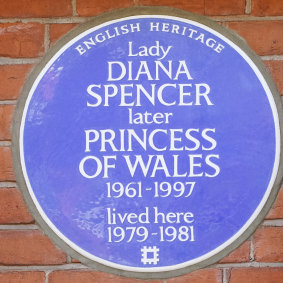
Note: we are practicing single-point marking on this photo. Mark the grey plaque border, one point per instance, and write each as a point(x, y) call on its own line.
point(117, 14)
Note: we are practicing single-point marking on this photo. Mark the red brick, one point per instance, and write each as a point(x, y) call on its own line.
point(199, 276)
point(38, 8)
point(267, 7)
point(277, 210)
point(6, 167)
point(28, 247)
point(95, 7)
point(265, 38)
point(268, 244)
point(241, 254)
point(276, 70)
point(12, 207)
point(12, 80)
point(6, 114)
point(75, 276)
point(224, 7)
point(256, 275)
point(21, 40)
point(196, 6)
point(58, 30)
point(22, 277)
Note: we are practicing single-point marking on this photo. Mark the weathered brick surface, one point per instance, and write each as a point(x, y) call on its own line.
point(38, 8)
point(277, 210)
point(224, 7)
point(95, 7)
point(20, 40)
point(12, 80)
point(241, 254)
point(12, 207)
point(276, 70)
point(267, 7)
point(75, 276)
point(22, 277)
point(6, 114)
point(268, 244)
point(196, 6)
point(256, 275)
point(58, 30)
point(264, 37)
point(199, 276)
point(28, 247)
point(6, 167)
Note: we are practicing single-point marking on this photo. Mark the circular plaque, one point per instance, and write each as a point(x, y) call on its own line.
point(147, 142)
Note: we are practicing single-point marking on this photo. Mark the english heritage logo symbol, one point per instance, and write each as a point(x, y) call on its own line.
point(154, 255)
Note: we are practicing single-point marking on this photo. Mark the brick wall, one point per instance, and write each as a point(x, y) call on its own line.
point(28, 28)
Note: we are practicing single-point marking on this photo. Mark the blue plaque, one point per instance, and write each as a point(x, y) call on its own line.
point(149, 142)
